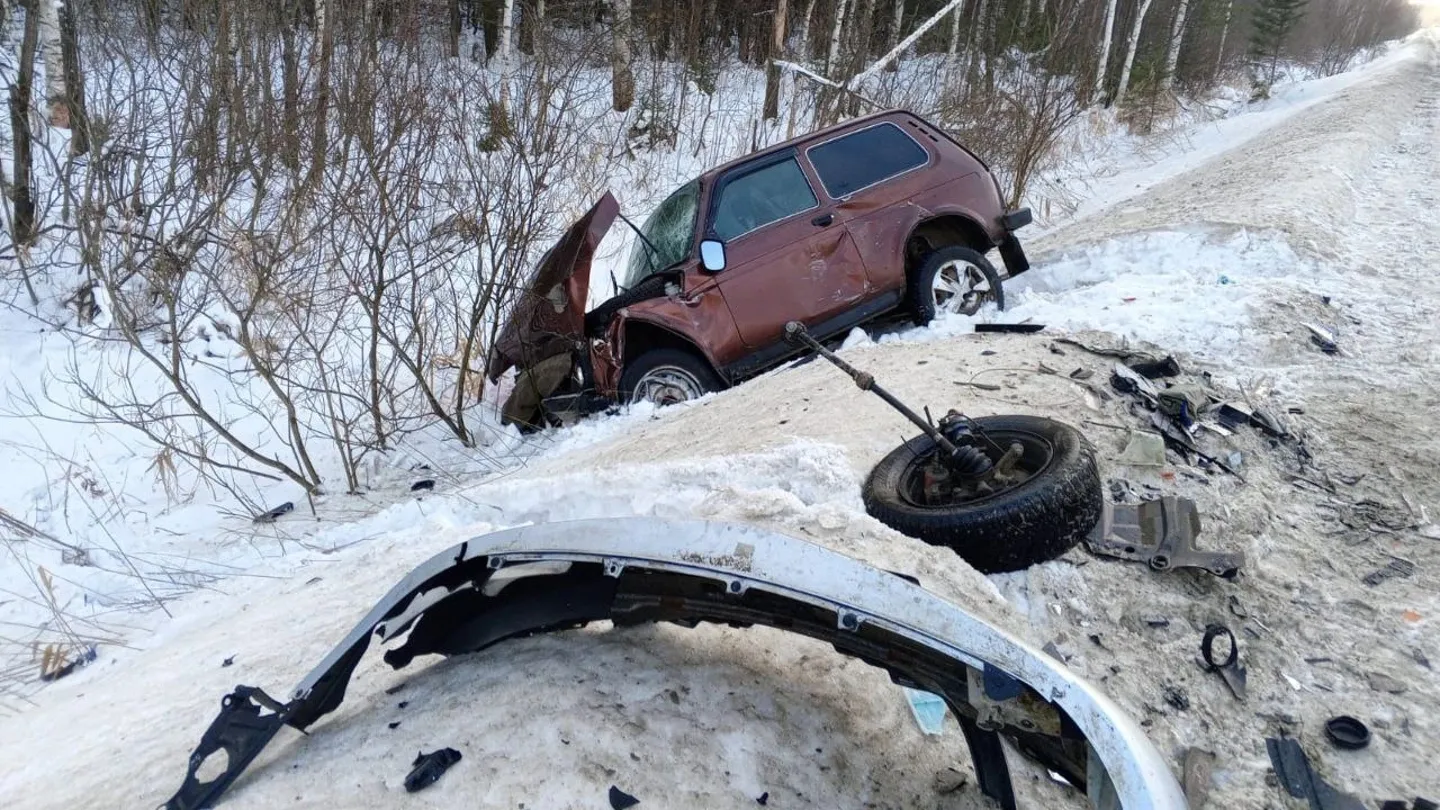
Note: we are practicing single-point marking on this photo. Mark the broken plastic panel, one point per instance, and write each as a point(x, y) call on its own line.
point(634, 571)
point(1160, 533)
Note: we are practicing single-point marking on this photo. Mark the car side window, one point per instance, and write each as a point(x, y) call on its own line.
point(761, 197)
point(862, 159)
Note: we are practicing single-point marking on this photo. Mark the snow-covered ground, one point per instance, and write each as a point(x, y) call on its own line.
point(1217, 252)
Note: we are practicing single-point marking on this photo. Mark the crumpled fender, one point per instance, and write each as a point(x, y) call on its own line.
point(638, 570)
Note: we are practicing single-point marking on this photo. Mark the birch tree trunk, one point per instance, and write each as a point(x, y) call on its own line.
point(771, 110)
point(1224, 31)
point(895, 33)
point(1130, 50)
point(835, 32)
point(953, 52)
point(622, 86)
point(1106, 38)
point(1172, 50)
point(51, 54)
point(802, 34)
point(502, 53)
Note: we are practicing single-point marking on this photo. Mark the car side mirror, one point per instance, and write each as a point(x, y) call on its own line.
point(712, 255)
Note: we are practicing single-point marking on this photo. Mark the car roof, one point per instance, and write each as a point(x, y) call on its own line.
point(849, 124)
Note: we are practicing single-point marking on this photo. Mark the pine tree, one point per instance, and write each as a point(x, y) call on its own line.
point(1271, 26)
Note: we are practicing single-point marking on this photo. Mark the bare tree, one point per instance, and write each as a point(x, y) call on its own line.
point(76, 114)
point(23, 191)
point(771, 108)
point(623, 77)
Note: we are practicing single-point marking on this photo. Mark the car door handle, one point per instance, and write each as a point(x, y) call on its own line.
point(823, 220)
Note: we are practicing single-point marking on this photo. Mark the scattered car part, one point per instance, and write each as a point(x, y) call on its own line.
point(1229, 669)
point(1010, 328)
point(1126, 381)
point(1003, 492)
point(1395, 569)
point(1199, 771)
point(1300, 780)
point(1422, 803)
point(1347, 732)
point(1155, 369)
point(1323, 338)
point(928, 709)
point(274, 514)
point(427, 769)
point(1183, 402)
point(1160, 533)
point(1144, 449)
point(1177, 438)
point(423, 485)
point(634, 571)
point(620, 800)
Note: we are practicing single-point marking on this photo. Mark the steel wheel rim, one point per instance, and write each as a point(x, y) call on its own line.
point(667, 385)
point(1039, 455)
point(960, 288)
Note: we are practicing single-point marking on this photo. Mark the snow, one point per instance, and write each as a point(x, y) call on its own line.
point(1226, 234)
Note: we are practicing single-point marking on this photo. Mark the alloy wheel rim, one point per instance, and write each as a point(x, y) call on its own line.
point(960, 288)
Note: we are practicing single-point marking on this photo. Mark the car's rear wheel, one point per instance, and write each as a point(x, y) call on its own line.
point(956, 280)
point(666, 377)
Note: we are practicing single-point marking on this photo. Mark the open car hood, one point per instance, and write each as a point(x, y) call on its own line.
point(632, 571)
point(533, 330)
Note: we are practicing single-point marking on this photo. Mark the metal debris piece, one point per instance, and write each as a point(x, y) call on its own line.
point(1162, 534)
point(1199, 768)
point(1396, 569)
point(1229, 669)
point(1296, 776)
point(428, 768)
point(1126, 381)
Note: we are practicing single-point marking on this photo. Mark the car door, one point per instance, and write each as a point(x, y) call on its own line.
point(788, 255)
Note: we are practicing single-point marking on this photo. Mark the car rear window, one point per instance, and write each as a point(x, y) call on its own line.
point(761, 197)
point(860, 159)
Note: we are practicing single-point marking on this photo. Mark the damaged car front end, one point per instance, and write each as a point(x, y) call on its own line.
point(631, 571)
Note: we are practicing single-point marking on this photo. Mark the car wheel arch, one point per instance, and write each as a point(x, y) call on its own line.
point(641, 336)
point(941, 230)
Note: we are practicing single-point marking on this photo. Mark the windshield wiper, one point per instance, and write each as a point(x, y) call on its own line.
point(653, 252)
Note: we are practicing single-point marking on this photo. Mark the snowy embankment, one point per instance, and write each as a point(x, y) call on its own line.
point(715, 717)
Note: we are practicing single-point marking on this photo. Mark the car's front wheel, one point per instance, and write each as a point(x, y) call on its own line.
point(954, 279)
point(667, 376)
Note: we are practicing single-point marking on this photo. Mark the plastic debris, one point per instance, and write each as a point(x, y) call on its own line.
point(1145, 449)
point(1323, 338)
point(1347, 732)
point(619, 799)
point(928, 709)
point(1293, 768)
point(428, 768)
point(1016, 328)
point(424, 485)
point(275, 514)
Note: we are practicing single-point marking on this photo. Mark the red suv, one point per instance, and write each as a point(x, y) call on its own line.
point(880, 215)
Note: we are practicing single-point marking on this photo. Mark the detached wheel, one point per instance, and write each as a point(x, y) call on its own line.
point(667, 376)
point(1050, 500)
point(956, 280)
